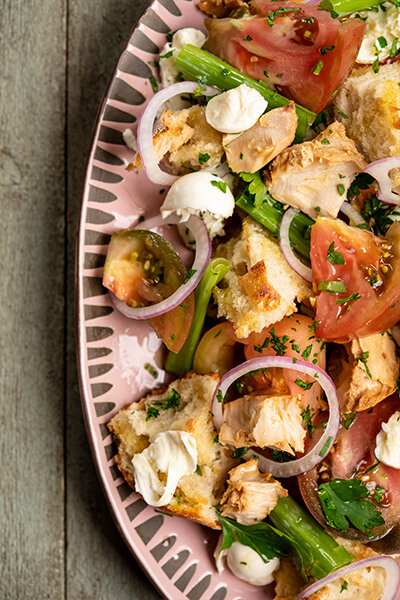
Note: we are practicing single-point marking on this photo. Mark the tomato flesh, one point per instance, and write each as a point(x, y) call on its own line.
point(142, 269)
point(370, 274)
point(304, 53)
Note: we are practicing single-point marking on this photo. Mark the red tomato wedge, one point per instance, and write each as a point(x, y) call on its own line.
point(370, 274)
point(173, 326)
point(303, 52)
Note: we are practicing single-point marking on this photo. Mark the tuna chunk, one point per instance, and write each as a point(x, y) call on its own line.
point(315, 176)
point(364, 371)
point(250, 495)
point(273, 421)
point(251, 150)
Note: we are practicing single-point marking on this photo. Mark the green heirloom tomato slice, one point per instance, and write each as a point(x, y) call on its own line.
point(142, 269)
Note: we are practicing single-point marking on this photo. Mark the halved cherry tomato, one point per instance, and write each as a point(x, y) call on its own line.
point(370, 274)
point(142, 269)
point(216, 350)
point(293, 336)
point(299, 49)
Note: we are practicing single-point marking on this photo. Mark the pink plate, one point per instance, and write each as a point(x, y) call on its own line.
point(113, 350)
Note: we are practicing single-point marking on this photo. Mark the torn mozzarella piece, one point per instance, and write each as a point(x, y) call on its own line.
point(384, 24)
point(173, 453)
point(203, 194)
point(245, 563)
point(168, 72)
point(388, 442)
point(235, 110)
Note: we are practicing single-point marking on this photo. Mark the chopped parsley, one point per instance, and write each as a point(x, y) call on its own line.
point(277, 343)
point(305, 385)
point(378, 494)
point(203, 157)
point(151, 369)
point(326, 49)
point(189, 275)
point(325, 142)
point(364, 357)
point(343, 504)
point(239, 452)
point(382, 41)
point(167, 54)
point(307, 415)
point(341, 189)
point(332, 287)
point(154, 83)
point(248, 38)
point(394, 48)
point(199, 470)
point(334, 257)
point(344, 586)
point(352, 298)
point(280, 456)
point(277, 13)
point(307, 352)
point(171, 401)
point(222, 185)
point(348, 419)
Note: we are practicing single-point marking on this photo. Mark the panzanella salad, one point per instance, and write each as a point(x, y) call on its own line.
point(275, 133)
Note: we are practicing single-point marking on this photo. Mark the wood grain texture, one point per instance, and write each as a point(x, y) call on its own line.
point(57, 541)
point(100, 565)
point(32, 249)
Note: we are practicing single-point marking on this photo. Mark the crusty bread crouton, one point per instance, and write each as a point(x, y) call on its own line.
point(182, 136)
point(205, 141)
point(261, 288)
point(365, 371)
point(172, 132)
point(369, 105)
point(134, 430)
point(365, 584)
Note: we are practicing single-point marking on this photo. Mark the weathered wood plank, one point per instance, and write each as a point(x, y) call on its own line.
point(99, 566)
point(32, 92)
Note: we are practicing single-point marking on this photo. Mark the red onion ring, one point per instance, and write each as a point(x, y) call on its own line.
point(388, 563)
point(352, 213)
point(145, 128)
point(379, 169)
point(300, 268)
point(324, 444)
point(201, 260)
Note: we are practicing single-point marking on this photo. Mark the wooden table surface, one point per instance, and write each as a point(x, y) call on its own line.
point(57, 537)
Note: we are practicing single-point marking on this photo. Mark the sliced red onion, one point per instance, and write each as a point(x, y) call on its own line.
point(324, 444)
point(379, 170)
point(352, 213)
point(201, 260)
point(145, 128)
point(292, 260)
point(388, 563)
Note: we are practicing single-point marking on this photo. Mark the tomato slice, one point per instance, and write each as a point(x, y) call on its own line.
point(303, 52)
point(370, 274)
point(142, 269)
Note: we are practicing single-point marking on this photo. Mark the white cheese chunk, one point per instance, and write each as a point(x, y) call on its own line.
point(188, 35)
point(388, 442)
point(173, 453)
point(245, 563)
point(201, 193)
point(384, 24)
point(235, 110)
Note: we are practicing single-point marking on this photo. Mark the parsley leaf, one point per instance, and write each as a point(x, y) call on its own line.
point(189, 275)
point(203, 157)
point(343, 504)
point(348, 419)
point(239, 452)
point(222, 185)
point(265, 539)
point(334, 257)
point(332, 286)
point(256, 186)
point(363, 359)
